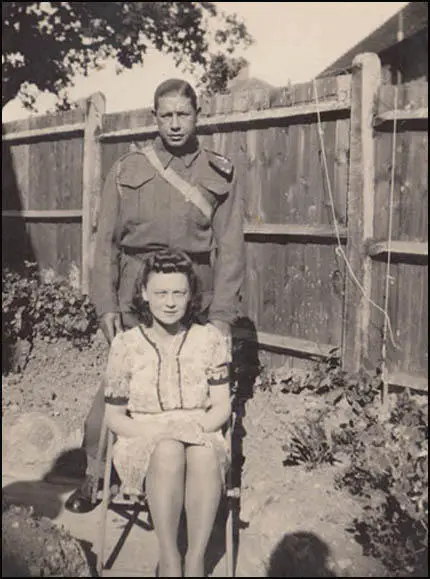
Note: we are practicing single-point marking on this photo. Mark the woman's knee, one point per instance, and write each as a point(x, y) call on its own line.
point(168, 456)
point(202, 460)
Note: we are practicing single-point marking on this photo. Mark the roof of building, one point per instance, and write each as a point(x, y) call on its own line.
point(411, 19)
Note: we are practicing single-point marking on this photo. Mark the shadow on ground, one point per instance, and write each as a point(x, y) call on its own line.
point(44, 495)
point(44, 499)
point(300, 555)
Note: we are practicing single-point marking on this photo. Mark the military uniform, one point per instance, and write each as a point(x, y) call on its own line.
point(139, 207)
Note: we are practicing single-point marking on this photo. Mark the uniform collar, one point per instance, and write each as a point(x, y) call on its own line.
point(166, 156)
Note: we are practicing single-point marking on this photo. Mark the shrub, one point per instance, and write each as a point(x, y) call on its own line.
point(47, 309)
point(345, 402)
point(388, 457)
point(389, 474)
point(308, 445)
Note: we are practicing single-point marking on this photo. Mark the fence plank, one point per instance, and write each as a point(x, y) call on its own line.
point(91, 189)
point(340, 193)
point(366, 80)
point(16, 241)
point(45, 179)
point(254, 252)
point(69, 196)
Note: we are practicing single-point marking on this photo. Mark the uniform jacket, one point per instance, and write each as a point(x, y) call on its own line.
point(138, 207)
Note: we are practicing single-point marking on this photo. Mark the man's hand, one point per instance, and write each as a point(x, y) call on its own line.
point(110, 324)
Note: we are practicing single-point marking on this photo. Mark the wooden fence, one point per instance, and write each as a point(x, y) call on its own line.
point(314, 168)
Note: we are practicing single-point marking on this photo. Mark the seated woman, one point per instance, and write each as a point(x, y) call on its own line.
point(167, 399)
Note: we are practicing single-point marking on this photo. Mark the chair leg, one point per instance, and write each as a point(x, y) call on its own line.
point(229, 548)
point(100, 450)
point(104, 505)
point(229, 551)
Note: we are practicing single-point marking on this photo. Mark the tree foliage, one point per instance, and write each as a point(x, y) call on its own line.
point(46, 44)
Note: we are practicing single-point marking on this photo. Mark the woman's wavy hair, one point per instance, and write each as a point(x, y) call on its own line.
point(167, 260)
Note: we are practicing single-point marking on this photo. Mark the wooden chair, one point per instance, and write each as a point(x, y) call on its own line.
point(140, 502)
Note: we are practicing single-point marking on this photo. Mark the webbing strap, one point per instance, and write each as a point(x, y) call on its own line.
point(191, 193)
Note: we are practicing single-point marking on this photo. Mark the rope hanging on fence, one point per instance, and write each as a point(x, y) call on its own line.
point(339, 250)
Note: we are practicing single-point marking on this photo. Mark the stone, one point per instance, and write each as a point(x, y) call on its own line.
point(31, 442)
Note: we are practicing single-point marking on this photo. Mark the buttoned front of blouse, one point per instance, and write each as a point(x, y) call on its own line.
point(153, 379)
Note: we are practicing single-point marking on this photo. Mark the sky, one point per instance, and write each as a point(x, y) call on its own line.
point(293, 41)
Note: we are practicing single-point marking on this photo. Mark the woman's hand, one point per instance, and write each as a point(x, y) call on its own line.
point(190, 431)
point(181, 424)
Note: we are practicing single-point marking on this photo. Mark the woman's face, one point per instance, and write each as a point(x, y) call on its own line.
point(167, 295)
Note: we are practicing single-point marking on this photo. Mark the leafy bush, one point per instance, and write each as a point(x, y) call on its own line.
point(47, 309)
point(345, 402)
point(308, 445)
point(328, 378)
point(387, 452)
point(389, 474)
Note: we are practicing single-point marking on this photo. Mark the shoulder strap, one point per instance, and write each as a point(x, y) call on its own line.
point(117, 174)
point(190, 192)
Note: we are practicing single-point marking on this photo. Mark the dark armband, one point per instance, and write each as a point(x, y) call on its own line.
point(219, 375)
point(116, 400)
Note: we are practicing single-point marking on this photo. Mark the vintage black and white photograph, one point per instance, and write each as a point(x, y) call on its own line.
point(215, 289)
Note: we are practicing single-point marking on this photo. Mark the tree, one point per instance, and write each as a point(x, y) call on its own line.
point(46, 44)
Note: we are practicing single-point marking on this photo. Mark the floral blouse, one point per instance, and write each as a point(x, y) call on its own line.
point(152, 378)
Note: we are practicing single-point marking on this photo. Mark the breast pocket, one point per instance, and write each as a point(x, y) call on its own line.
point(134, 184)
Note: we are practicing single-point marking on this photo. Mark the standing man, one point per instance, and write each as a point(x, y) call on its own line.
point(172, 192)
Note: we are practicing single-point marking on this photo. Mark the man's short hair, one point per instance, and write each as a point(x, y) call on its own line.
point(176, 86)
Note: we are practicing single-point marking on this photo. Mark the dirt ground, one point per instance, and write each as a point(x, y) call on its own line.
point(292, 522)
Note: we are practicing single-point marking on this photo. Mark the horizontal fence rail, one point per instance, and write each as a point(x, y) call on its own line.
point(294, 230)
point(61, 131)
point(289, 344)
point(43, 214)
point(215, 122)
point(233, 119)
point(405, 380)
point(403, 248)
point(401, 115)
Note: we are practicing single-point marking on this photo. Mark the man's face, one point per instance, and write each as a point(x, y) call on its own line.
point(176, 119)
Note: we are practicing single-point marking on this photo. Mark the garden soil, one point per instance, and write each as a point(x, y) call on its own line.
point(292, 522)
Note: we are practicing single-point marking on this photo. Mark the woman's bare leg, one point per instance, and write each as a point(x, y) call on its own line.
point(165, 491)
point(202, 495)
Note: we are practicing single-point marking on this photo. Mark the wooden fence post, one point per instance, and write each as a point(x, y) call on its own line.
point(365, 84)
point(91, 182)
